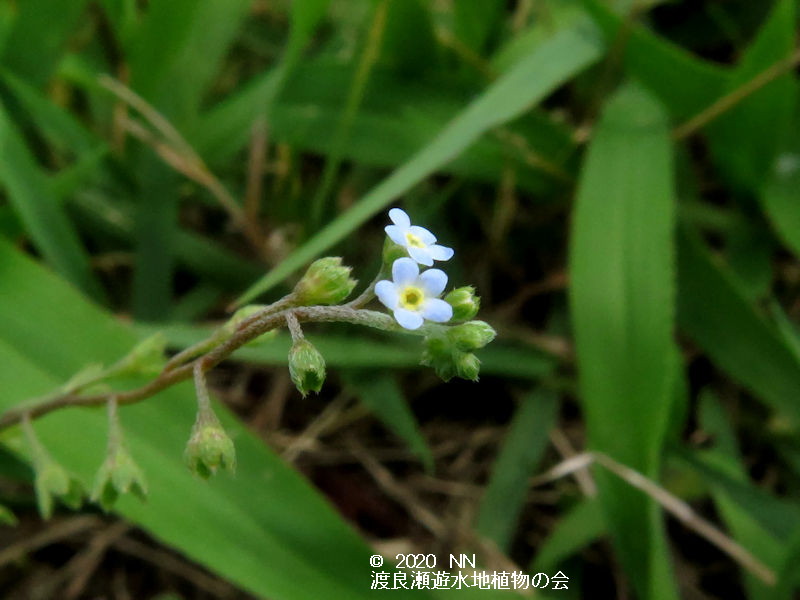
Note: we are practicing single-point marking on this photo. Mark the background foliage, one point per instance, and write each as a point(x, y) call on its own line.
point(620, 181)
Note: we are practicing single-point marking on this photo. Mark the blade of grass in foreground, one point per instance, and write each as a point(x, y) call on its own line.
point(622, 272)
point(531, 79)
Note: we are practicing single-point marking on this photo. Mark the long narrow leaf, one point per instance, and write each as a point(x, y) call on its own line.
point(622, 272)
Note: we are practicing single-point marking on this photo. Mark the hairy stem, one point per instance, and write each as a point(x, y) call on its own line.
point(247, 331)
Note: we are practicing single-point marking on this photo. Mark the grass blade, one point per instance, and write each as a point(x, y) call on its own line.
point(621, 268)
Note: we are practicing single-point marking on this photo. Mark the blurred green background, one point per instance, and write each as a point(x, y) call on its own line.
point(620, 181)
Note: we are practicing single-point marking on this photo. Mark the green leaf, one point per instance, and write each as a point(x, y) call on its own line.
point(745, 140)
point(621, 269)
point(565, 54)
point(37, 207)
point(521, 452)
point(713, 311)
point(380, 393)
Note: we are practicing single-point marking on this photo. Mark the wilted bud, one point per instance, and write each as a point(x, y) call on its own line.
point(327, 281)
point(306, 367)
point(118, 475)
point(209, 448)
point(471, 335)
point(467, 365)
point(391, 252)
point(7, 517)
point(464, 302)
point(53, 481)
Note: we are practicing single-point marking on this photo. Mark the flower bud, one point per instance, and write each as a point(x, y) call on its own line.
point(327, 281)
point(53, 481)
point(438, 354)
point(391, 252)
point(464, 302)
point(209, 448)
point(471, 335)
point(306, 367)
point(467, 365)
point(118, 475)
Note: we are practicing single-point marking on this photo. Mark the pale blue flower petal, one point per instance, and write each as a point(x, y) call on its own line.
point(438, 252)
point(387, 294)
point(396, 234)
point(421, 255)
point(400, 218)
point(408, 319)
point(433, 282)
point(425, 236)
point(404, 271)
point(436, 310)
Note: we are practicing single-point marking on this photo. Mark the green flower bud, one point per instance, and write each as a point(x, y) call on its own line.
point(391, 252)
point(464, 302)
point(471, 335)
point(327, 281)
point(467, 365)
point(6, 516)
point(209, 448)
point(306, 367)
point(442, 353)
point(53, 481)
point(438, 354)
point(118, 475)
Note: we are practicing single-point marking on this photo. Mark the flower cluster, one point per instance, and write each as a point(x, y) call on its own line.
point(412, 296)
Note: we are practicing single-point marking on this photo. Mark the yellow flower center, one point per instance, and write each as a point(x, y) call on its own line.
point(413, 240)
point(411, 298)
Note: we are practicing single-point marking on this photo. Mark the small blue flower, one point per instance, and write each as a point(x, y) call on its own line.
point(419, 242)
point(414, 297)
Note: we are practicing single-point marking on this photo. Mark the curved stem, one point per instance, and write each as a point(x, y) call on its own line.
point(247, 331)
